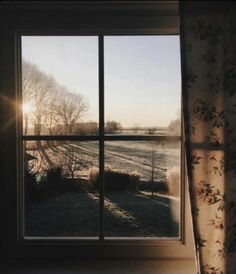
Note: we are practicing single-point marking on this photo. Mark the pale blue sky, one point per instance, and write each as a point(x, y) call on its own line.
point(142, 74)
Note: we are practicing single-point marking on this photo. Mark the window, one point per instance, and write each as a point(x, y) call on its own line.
point(118, 178)
point(98, 143)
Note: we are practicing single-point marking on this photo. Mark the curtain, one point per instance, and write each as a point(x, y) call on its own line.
point(208, 50)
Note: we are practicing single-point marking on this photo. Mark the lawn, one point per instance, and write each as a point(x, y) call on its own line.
point(127, 214)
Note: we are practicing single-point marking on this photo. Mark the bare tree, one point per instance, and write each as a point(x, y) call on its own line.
point(37, 90)
point(50, 118)
point(53, 107)
point(70, 109)
point(42, 98)
point(75, 160)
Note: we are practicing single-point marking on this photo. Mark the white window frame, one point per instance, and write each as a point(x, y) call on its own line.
point(73, 18)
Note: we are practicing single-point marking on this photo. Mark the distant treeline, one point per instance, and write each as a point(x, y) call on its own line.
point(54, 109)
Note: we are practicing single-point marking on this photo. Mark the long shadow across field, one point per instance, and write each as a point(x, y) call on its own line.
point(44, 155)
point(148, 216)
point(71, 214)
point(76, 214)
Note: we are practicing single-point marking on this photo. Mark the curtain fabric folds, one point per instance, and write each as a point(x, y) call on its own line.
point(208, 44)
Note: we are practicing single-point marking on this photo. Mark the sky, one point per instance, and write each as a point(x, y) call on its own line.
point(142, 74)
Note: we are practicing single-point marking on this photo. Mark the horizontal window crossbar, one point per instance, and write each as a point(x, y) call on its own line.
point(97, 138)
point(141, 138)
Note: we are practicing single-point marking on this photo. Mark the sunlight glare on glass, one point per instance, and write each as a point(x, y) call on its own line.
point(27, 107)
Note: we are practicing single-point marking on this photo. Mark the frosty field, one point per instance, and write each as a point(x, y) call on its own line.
point(126, 213)
point(131, 156)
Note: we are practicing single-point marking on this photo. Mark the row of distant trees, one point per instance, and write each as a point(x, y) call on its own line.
point(50, 103)
point(56, 110)
point(174, 128)
point(53, 108)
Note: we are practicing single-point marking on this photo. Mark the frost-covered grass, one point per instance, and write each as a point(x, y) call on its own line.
point(140, 157)
point(126, 215)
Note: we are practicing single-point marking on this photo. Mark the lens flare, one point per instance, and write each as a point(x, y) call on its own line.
point(27, 108)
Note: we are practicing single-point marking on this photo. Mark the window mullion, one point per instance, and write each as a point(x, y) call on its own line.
point(101, 136)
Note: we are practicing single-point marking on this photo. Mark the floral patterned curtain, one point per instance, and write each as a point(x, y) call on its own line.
point(208, 42)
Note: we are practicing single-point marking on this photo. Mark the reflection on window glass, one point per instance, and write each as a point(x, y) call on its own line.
point(142, 189)
point(60, 85)
point(61, 198)
point(142, 85)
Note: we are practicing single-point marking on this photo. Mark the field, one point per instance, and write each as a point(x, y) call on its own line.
point(133, 156)
point(126, 215)
point(138, 213)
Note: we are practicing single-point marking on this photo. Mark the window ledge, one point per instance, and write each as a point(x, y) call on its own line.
point(99, 267)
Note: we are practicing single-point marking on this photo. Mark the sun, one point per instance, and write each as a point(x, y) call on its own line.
point(27, 107)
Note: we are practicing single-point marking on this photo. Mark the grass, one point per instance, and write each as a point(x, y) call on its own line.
point(75, 212)
point(127, 214)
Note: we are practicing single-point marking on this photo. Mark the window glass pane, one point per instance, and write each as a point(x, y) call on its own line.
point(142, 97)
point(60, 85)
point(142, 189)
point(61, 198)
point(142, 85)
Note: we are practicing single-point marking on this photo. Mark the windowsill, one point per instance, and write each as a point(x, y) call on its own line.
point(101, 266)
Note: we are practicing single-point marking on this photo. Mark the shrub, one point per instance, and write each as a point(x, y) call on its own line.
point(54, 182)
point(175, 126)
point(54, 174)
point(115, 180)
point(86, 128)
point(112, 127)
point(173, 181)
point(155, 186)
point(151, 131)
point(93, 180)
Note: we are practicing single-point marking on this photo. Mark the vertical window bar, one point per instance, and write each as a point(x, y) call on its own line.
point(101, 136)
